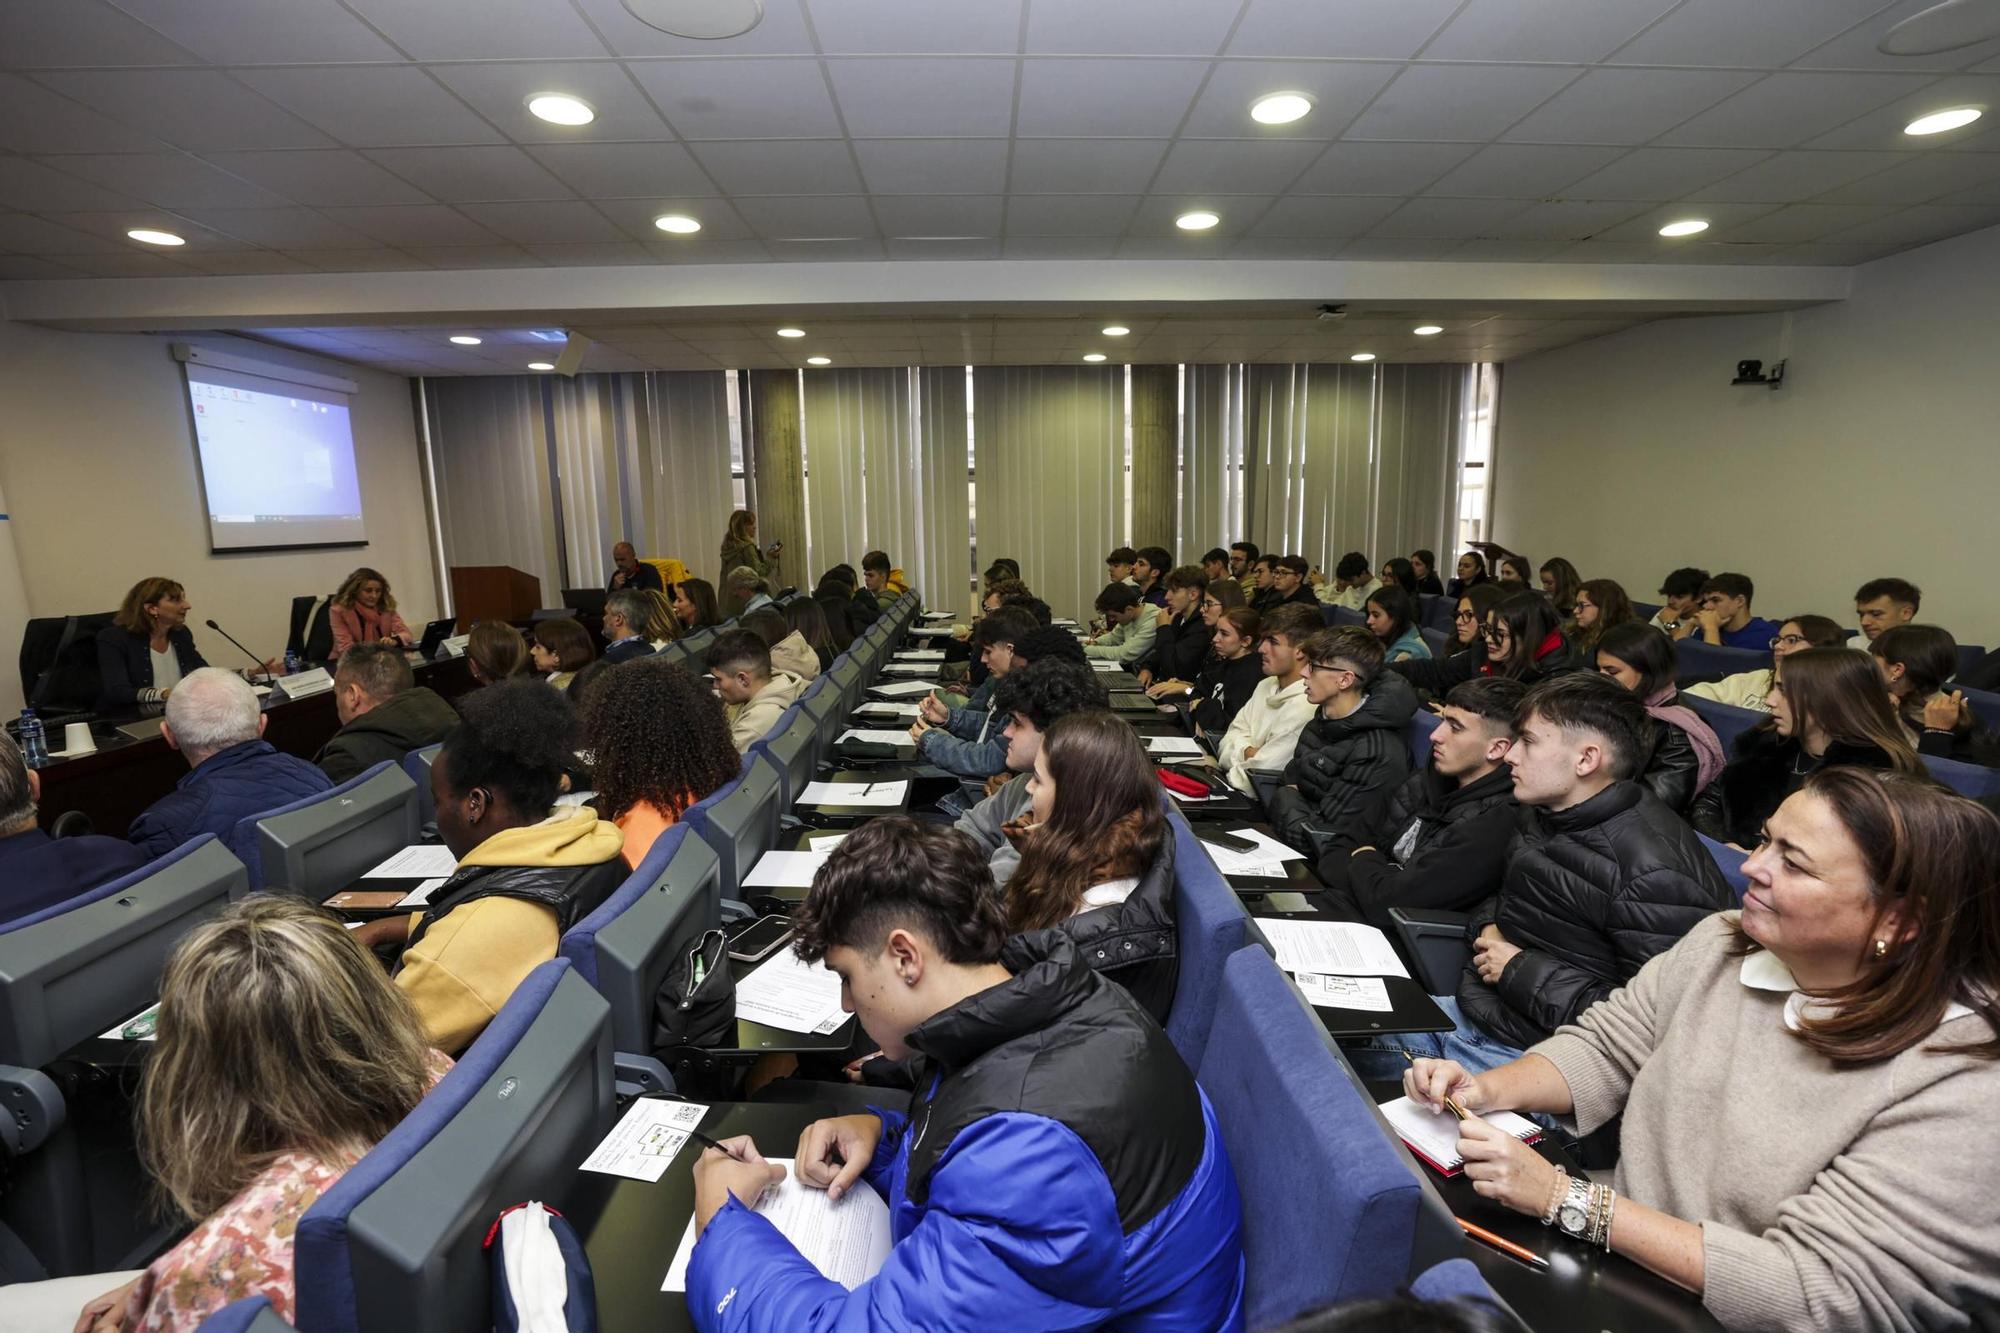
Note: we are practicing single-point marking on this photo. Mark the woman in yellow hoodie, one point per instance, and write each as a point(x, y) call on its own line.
point(524, 874)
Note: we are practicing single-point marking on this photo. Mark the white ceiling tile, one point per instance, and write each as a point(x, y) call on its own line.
point(1291, 247)
point(824, 251)
point(1523, 171)
point(246, 263)
point(195, 109)
point(1397, 248)
point(482, 29)
point(1324, 215)
point(1070, 215)
point(81, 32)
point(1787, 108)
point(712, 250)
point(36, 120)
point(1381, 168)
point(1562, 220)
point(1644, 228)
point(113, 225)
point(283, 228)
point(588, 256)
point(1120, 98)
point(1353, 29)
point(782, 32)
point(170, 180)
point(1800, 222)
point(1787, 178)
point(1856, 49)
point(1729, 32)
point(1606, 252)
point(1917, 226)
point(740, 99)
point(1977, 196)
point(778, 166)
point(718, 218)
point(1570, 31)
point(33, 187)
point(971, 27)
point(1234, 166)
point(552, 222)
point(1470, 102)
point(359, 261)
point(984, 247)
point(414, 224)
point(1721, 252)
point(1085, 166)
point(939, 215)
point(927, 166)
point(918, 98)
point(331, 176)
point(1436, 218)
point(1830, 254)
point(796, 217)
point(500, 93)
point(1155, 244)
point(468, 174)
point(1157, 213)
point(1663, 173)
point(1486, 250)
point(624, 170)
point(24, 268)
point(132, 265)
point(1129, 27)
point(256, 32)
point(31, 235)
point(369, 106)
point(1882, 128)
point(1339, 91)
point(1627, 106)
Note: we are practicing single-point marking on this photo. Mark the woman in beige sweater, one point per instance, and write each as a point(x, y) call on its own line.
point(1808, 1085)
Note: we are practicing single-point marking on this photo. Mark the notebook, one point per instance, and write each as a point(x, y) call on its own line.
point(1433, 1135)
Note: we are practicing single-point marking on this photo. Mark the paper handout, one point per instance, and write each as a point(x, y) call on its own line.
point(645, 1139)
point(874, 737)
point(902, 689)
point(424, 862)
point(883, 708)
point(1340, 948)
point(885, 794)
point(787, 992)
point(1331, 992)
point(784, 870)
point(848, 1242)
point(1173, 747)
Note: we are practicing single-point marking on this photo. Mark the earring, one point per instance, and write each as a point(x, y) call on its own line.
point(1881, 948)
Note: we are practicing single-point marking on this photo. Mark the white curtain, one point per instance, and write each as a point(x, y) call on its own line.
point(593, 511)
point(857, 434)
point(1050, 471)
point(939, 562)
point(1212, 473)
point(1310, 481)
point(678, 466)
point(1419, 431)
point(490, 455)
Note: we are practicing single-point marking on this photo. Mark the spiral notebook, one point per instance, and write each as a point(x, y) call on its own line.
point(1433, 1135)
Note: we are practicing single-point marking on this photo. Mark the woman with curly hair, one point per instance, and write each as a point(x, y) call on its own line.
point(364, 611)
point(658, 743)
point(1097, 861)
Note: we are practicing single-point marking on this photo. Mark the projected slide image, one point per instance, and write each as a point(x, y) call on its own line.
point(278, 469)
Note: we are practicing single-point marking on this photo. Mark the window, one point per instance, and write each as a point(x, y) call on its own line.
point(733, 387)
point(1475, 497)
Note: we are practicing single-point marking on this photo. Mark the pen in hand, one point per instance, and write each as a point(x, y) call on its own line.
point(706, 1141)
point(1450, 1104)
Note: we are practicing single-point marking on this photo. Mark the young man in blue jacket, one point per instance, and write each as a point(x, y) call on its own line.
point(1058, 1168)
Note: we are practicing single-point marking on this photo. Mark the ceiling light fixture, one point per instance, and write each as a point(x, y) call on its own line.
point(541, 365)
point(1115, 330)
point(1685, 227)
point(465, 340)
point(1426, 330)
point(680, 224)
point(791, 333)
point(1281, 108)
point(819, 360)
point(1937, 122)
point(1362, 356)
point(152, 237)
point(1093, 356)
point(1199, 220)
point(560, 109)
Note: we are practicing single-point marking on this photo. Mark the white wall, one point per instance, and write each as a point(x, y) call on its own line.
point(97, 465)
point(1633, 454)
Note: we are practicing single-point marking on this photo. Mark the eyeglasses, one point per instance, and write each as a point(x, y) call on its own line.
point(1328, 666)
point(1790, 641)
point(1463, 615)
point(1493, 633)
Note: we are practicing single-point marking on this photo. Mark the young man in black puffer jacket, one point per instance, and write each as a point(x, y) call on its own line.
point(1353, 753)
point(1600, 878)
point(1442, 846)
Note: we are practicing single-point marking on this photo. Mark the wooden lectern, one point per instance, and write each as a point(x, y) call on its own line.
point(493, 592)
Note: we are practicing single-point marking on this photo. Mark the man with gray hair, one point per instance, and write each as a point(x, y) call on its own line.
point(37, 871)
point(744, 590)
point(625, 627)
point(214, 720)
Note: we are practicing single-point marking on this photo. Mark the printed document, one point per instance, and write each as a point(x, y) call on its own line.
point(848, 1242)
point(1338, 947)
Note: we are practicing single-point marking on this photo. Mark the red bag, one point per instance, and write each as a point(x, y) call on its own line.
point(1180, 784)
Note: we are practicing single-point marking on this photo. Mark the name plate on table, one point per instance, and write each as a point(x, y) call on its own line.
point(301, 684)
point(453, 647)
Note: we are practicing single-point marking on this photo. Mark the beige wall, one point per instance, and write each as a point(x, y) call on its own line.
point(97, 465)
point(1633, 454)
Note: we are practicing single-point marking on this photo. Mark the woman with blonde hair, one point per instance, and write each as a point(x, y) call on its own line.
point(364, 611)
point(284, 1054)
point(740, 549)
point(662, 626)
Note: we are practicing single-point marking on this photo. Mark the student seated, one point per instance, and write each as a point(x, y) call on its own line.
point(1027, 704)
point(754, 694)
point(885, 583)
point(1521, 639)
point(1423, 567)
point(495, 651)
point(1266, 731)
point(1397, 571)
point(1680, 601)
point(1806, 1085)
point(1916, 662)
point(283, 1055)
point(1881, 605)
point(561, 648)
point(1180, 641)
point(658, 743)
point(1149, 573)
point(808, 622)
point(789, 649)
point(1131, 625)
point(383, 712)
point(1724, 619)
point(37, 871)
point(1599, 607)
point(1288, 581)
point(1600, 878)
point(661, 625)
point(624, 629)
point(1118, 566)
point(966, 741)
point(1352, 754)
point(1215, 564)
point(1828, 709)
point(1686, 754)
point(1097, 858)
point(1750, 689)
point(1230, 676)
point(693, 601)
point(214, 720)
point(1216, 597)
point(1391, 613)
point(1470, 572)
point(1560, 584)
point(524, 875)
point(1243, 557)
point(1442, 843)
point(1352, 584)
point(1058, 1162)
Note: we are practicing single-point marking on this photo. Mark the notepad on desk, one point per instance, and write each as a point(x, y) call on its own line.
point(1433, 1135)
point(883, 708)
point(848, 1241)
point(884, 794)
point(920, 655)
point(784, 870)
point(426, 861)
point(902, 689)
point(1173, 747)
point(873, 737)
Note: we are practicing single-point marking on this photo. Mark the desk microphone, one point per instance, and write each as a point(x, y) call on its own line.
point(246, 652)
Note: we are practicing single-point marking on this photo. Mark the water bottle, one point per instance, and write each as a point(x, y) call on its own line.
point(292, 662)
point(34, 745)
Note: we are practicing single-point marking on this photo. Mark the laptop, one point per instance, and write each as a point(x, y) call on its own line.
point(435, 634)
point(590, 601)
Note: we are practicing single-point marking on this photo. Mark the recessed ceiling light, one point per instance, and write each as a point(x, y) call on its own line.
point(1362, 356)
point(819, 360)
point(1093, 356)
point(1197, 221)
point(465, 340)
point(1115, 330)
point(152, 237)
point(680, 224)
point(1685, 227)
point(791, 333)
point(1426, 330)
point(1281, 108)
point(541, 365)
point(560, 109)
point(1939, 121)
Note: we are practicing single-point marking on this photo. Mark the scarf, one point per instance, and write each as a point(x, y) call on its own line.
point(1708, 755)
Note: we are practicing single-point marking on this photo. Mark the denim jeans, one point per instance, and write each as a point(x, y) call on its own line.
point(1381, 1058)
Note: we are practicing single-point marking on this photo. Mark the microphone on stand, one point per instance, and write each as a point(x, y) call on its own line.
point(245, 651)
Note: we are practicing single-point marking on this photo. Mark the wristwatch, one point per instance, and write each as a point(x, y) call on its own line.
point(1585, 1213)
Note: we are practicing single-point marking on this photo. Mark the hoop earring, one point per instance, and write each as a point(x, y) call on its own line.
point(1881, 948)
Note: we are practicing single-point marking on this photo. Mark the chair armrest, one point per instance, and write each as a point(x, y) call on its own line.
point(1435, 944)
point(639, 1074)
